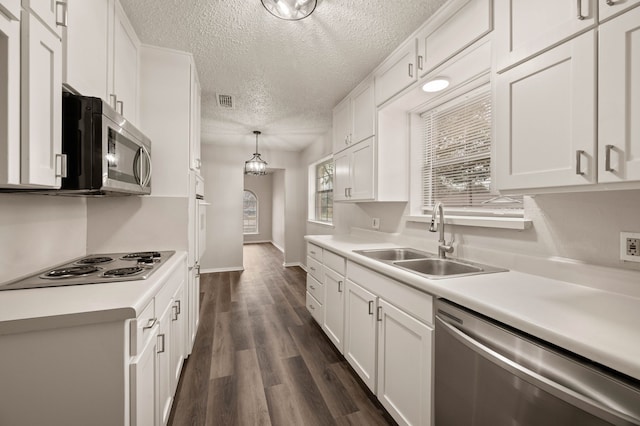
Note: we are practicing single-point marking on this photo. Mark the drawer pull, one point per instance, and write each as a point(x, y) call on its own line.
point(370, 307)
point(580, 15)
point(312, 268)
point(174, 308)
point(379, 317)
point(312, 287)
point(313, 308)
point(611, 3)
point(150, 323)
point(339, 286)
point(312, 252)
point(178, 305)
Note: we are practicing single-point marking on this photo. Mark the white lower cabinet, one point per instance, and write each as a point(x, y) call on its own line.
point(143, 383)
point(360, 332)
point(164, 373)
point(178, 329)
point(404, 365)
point(333, 322)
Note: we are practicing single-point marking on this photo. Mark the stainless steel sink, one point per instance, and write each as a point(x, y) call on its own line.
point(427, 264)
point(394, 254)
point(438, 267)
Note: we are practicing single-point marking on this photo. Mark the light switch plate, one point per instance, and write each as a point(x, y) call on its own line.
point(630, 246)
point(375, 223)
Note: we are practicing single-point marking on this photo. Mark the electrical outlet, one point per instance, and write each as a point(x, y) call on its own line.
point(630, 246)
point(375, 223)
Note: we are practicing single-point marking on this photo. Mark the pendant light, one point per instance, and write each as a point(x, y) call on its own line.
point(290, 10)
point(256, 165)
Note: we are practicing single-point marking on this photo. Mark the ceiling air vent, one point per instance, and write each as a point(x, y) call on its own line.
point(226, 101)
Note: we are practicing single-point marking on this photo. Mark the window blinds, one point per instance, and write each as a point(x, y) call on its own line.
point(457, 151)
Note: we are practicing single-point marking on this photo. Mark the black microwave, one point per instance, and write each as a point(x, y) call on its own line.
point(105, 154)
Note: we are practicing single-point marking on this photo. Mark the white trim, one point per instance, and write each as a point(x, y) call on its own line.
point(277, 246)
point(304, 267)
point(317, 222)
point(517, 223)
point(257, 242)
point(214, 270)
point(290, 264)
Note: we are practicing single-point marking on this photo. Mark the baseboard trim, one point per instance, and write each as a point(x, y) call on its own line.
point(214, 270)
point(277, 246)
point(257, 242)
point(289, 264)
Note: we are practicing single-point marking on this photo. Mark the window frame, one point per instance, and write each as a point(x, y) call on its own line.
point(313, 192)
point(257, 219)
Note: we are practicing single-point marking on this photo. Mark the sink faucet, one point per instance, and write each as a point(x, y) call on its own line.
point(443, 247)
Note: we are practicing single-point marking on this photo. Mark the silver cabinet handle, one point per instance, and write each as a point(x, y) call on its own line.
point(65, 14)
point(313, 308)
point(611, 3)
point(578, 162)
point(150, 323)
point(411, 70)
point(121, 104)
point(339, 286)
point(580, 15)
point(379, 316)
point(62, 170)
point(349, 192)
point(174, 308)
point(163, 348)
point(312, 287)
point(312, 268)
point(312, 251)
point(607, 158)
point(114, 100)
point(370, 307)
point(179, 306)
point(420, 62)
point(345, 193)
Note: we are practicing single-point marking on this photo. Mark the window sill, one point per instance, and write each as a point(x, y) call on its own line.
point(316, 222)
point(517, 223)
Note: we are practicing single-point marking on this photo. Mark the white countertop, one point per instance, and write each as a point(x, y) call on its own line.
point(53, 307)
point(599, 325)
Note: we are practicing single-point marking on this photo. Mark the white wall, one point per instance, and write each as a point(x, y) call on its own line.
point(126, 224)
point(224, 182)
point(262, 187)
point(40, 231)
point(277, 227)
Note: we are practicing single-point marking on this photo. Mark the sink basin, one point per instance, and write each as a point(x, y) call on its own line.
point(394, 254)
point(438, 267)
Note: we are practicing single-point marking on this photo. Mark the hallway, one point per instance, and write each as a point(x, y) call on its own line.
point(259, 358)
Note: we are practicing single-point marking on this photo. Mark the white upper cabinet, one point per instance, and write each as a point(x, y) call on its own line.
point(619, 99)
point(455, 26)
point(610, 8)
point(354, 173)
point(52, 12)
point(42, 162)
point(545, 118)
point(9, 100)
point(525, 28)
point(195, 160)
point(397, 72)
point(354, 117)
point(87, 36)
point(123, 89)
point(11, 8)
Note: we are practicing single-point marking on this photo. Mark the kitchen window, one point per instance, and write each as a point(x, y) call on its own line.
point(321, 191)
point(456, 167)
point(250, 213)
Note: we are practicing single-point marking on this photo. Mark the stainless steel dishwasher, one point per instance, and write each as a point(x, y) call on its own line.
point(487, 373)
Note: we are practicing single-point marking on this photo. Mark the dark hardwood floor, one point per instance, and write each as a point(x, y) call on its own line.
point(260, 359)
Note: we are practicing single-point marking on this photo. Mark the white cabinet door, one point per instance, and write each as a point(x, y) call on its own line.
point(545, 118)
point(524, 28)
point(194, 306)
point(9, 101)
point(342, 175)
point(451, 32)
point(398, 72)
point(610, 8)
point(11, 8)
point(41, 84)
point(342, 130)
point(619, 99)
point(333, 323)
point(360, 330)
point(405, 348)
point(126, 66)
point(164, 373)
point(143, 372)
point(364, 111)
point(362, 171)
point(178, 335)
point(194, 137)
point(52, 12)
point(87, 37)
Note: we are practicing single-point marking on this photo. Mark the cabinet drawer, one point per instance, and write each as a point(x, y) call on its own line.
point(315, 268)
point(335, 262)
point(315, 308)
point(314, 251)
point(407, 298)
point(316, 288)
point(142, 328)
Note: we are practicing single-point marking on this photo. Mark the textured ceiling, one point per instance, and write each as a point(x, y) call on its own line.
point(285, 76)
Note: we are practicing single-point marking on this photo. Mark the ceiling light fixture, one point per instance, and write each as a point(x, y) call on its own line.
point(290, 10)
point(435, 85)
point(255, 166)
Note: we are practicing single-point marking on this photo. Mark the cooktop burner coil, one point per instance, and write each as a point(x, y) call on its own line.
point(122, 272)
point(96, 260)
point(70, 272)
